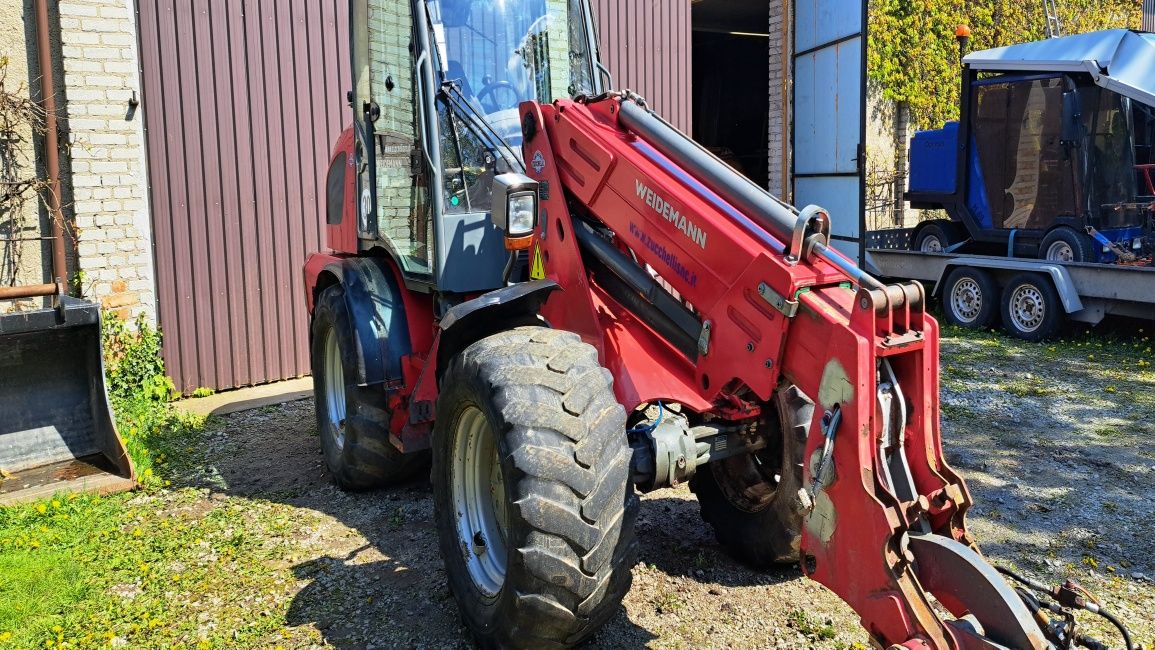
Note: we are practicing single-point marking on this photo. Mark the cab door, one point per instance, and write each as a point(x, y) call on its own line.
point(419, 193)
point(394, 208)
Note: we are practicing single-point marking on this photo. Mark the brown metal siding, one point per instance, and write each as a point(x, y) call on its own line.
point(646, 45)
point(242, 101)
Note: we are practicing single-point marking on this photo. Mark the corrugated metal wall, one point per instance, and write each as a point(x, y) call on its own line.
point(242, 102)
point(645, 44)
point(1149, 15)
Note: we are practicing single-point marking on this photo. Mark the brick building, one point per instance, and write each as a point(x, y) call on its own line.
point(194, 140)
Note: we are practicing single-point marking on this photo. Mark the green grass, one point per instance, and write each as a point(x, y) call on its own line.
point(150, 568)
point(139, 569)
point(804, 623)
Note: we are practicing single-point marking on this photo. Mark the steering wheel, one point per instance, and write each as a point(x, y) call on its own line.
point(489, 103)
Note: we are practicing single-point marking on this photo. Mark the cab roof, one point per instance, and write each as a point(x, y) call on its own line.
point(1119, 60)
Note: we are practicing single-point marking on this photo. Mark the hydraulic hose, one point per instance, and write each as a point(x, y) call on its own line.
point(1119, 625)
point(1059, 592)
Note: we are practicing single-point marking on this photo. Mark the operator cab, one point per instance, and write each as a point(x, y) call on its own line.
point(437, 86)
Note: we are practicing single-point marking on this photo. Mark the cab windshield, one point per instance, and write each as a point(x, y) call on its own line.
point(499, 53)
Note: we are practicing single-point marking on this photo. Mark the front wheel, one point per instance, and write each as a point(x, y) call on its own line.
point(532, 496)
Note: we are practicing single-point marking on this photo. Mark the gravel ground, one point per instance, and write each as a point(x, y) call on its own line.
point(1055, 444)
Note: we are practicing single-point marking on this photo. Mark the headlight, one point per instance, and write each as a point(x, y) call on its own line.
point(515, 208)
point(522, 213)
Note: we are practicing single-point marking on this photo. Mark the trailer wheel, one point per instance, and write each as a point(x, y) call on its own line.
point(970, 298)
point(352, 421)
point(751, 501)
point(1065, 244)
point(1030, 307)
point(531, 489)
point(934, 237)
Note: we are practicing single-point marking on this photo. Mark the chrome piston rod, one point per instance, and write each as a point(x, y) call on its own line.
point(766, 211)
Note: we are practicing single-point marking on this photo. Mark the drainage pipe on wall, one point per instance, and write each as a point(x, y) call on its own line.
point(51, 148)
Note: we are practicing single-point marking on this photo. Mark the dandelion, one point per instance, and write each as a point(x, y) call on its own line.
point(41, 508)
point(136, 532)
point(55, 504)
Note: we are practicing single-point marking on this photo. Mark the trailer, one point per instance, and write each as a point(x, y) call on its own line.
point(1032, 298)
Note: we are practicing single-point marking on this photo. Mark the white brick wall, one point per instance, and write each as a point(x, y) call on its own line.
point(781, 42)
point(106, 143)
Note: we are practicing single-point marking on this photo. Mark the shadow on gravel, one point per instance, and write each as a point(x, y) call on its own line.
point(1062, 471)
point(373, 577)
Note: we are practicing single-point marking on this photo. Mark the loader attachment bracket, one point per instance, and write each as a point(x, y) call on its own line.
point(966, 585)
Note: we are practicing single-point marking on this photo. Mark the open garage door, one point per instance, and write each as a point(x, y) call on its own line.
point(830, 114)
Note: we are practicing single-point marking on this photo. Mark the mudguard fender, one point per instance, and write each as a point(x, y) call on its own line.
point(490, 313)
point(377, 313)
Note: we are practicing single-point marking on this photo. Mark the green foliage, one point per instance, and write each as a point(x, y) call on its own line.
point(203, 392)
point(153, 432)
point(133, 365)
point(914, 58)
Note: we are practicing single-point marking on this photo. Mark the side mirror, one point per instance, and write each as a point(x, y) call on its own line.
point(1072, 132)
point(515, 204)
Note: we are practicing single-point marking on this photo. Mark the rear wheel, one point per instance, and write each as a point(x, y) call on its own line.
point(935, 237)
point(970, 298)
point(1065, 244)
point(352, 420)
point(751, 501)
point(533, 504)
point(1030, 307)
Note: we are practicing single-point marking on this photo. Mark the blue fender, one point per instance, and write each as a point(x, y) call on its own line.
point(377, 315)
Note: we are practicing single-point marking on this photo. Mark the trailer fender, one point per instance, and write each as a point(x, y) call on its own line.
point(492, 312)
point(1058, 274)
point(377, 313)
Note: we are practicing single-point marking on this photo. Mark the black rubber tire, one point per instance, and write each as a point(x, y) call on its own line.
point(1042, 293)
point(766, 529)
point(570, 505)
point(1081, 245)
point(986, 293)
point(941, 230)
point(366, 459)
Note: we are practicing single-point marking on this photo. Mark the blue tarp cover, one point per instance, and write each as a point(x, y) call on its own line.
point(1118, 59)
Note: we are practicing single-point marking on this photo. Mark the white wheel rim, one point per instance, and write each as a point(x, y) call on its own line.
point(335, 388)
point(931, 244)
point(966, 299)
point(479, 501)
point(1028, 308)
point(1060, 251)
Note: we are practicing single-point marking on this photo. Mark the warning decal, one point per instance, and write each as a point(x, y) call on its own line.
point(536, 265)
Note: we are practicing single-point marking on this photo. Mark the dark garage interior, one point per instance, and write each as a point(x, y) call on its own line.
point(731, 69)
